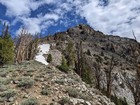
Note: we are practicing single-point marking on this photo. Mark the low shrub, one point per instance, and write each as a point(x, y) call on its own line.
point(63, 68)
point(76, 94)
point(8, 94)
point(2, 100)
point(64, 101)
point(45, 92)
point(25, 82)
point(118, 101)
point(60, 81)
point(88, 52)
point(72, 92)
point(2, 87)
point(4, 81)
point(3, 74)
point(30, 101)
point(84, 96)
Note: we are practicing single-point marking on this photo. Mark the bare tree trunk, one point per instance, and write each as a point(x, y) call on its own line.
point(26, 47)
point(79, 63)
point(109, 88)
point(97, 72)
point(109, 77)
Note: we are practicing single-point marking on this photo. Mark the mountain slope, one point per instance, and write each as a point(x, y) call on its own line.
point(32, 83)
point(78, 52)
point(104, 47)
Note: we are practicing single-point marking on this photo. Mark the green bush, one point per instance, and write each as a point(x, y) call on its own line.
point(86, 72)
point(118, 101)
point(45, 92)
point(2, 100)
point(64, 67)
point(8, 94)
point(76, 94)
point(73, 92)
point(3, 87)
point(4, 81)
point(60, 81)
point(49, 58)
point(88, 52)
point(30, 101)
point(25, 82)
point(84, 96)
point(3, 74)
point(64, 101)
point(86, 76)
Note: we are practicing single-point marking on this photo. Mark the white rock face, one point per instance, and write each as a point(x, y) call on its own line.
point(43, 49)
point(123, 92)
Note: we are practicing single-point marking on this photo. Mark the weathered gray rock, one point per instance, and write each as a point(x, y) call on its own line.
point(56, 57)
point(11, 99)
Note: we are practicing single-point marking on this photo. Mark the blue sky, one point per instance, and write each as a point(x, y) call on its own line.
point(117, 17)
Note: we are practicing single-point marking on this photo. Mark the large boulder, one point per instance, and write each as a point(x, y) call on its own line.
point(56, 57)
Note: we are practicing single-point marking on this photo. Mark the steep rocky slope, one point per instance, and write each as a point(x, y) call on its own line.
point(103, 46)
point(32, 83)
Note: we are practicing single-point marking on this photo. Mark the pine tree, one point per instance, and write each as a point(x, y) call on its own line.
point(88, 52)
point(49, 58)
point(6, 47)
point(64, 67)
point(70, 54)
point(81, 66)
point(32, 48)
